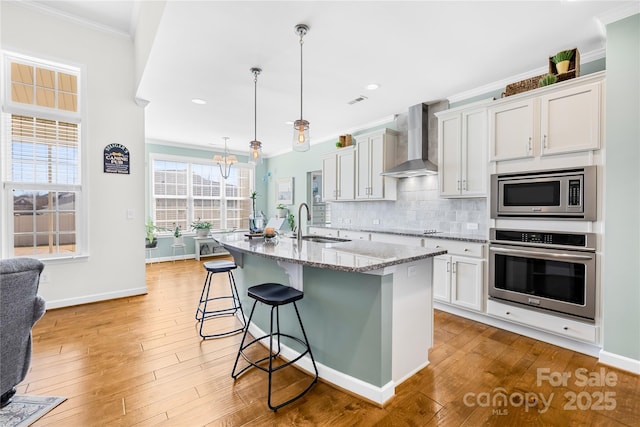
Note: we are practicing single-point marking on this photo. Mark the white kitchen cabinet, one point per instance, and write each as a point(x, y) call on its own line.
point(375, 153)
point(321, 231)
point(570, 120)
point(458, 276)
point(396, 239)
point(555, 324)
point(511, 130)
point(338, 180)
point(462, 151)
point(353, 235)
point(557, 119)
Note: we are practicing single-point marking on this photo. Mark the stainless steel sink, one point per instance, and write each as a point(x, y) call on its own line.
point(324, 239)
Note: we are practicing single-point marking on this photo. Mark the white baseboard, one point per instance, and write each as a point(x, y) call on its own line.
point(95, 298)
point(375, 394)
point(620, 362)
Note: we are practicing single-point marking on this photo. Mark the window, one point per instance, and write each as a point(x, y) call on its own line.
point(187, 189)
point(41, 168)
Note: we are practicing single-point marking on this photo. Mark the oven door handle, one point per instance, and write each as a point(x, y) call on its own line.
point(544, 254)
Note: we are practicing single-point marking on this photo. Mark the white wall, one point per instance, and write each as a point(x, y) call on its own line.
point(115, 266)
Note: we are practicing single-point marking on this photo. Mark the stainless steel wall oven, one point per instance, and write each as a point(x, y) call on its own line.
point(547, 271)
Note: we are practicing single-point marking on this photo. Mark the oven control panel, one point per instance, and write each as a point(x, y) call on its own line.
point(580, 240)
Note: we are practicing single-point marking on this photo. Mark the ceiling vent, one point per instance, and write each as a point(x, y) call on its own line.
point(358, 99)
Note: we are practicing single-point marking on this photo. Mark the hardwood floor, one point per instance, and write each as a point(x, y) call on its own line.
point(140, 361)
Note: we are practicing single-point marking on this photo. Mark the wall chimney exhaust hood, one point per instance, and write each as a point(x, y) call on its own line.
point(417, 146)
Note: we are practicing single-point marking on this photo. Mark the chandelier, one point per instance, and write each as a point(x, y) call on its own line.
point(225, 161)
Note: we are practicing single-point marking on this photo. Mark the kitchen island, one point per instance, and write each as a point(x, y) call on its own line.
point(367, 307)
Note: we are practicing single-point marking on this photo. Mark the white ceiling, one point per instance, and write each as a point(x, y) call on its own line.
point(417, 51)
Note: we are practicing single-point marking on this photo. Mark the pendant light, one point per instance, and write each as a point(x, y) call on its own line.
point(301, 126)
point(255, 146)
point(225, 161)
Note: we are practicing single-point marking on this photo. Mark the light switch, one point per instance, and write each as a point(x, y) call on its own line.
point(131, 214)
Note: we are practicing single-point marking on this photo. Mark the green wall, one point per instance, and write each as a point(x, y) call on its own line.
point(621, 282)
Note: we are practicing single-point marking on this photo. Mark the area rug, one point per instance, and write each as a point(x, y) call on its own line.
point(26, 410)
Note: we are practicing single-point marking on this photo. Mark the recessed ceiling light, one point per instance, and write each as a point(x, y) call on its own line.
point(372, 86)
point(198, 101)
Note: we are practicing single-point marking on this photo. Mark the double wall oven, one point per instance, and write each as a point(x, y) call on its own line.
point(548, 271)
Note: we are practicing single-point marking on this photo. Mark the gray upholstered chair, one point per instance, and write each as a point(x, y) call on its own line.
point(20, 309)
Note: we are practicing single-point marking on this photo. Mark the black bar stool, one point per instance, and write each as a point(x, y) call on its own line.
point(202, 313)
point(275, 295)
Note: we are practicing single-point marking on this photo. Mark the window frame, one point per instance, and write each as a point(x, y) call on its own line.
point(190, 160)
point(79, 117)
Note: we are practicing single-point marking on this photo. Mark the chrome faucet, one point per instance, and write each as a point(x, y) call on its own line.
point(299, 236)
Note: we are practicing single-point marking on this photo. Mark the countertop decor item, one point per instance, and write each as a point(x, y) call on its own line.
point(301, 126)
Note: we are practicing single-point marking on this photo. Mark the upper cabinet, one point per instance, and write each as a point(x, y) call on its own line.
point(554, 120)
point(462, 151)
point(338, 181)
point(375, 153)
point(353, 173)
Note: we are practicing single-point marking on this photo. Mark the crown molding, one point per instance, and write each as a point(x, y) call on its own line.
point(618, 13)
point(501, 84)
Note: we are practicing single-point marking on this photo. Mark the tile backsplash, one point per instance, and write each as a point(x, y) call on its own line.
point(418, 208)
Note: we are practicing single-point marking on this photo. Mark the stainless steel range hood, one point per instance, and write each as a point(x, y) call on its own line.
point(417, 146)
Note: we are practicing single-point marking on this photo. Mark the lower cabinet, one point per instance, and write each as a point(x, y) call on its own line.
point(556, 325)
point(459, 279)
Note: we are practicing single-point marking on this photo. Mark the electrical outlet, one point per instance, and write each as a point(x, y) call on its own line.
point(347, 220)
point(44, 277)
point(472, 226)
point(376, 222)
point(411, 271)
point(131, 214)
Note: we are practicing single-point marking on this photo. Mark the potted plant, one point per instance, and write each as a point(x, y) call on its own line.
point(201, 228)
point(256, 218)
point(562, 60)
point(547, 80)
point(291, 220)
point(150, 240)
point(178, 239)
point(282, 211)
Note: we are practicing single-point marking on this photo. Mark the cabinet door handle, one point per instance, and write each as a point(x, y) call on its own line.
point(448, 266)
point(544, 141)
point(458, 186)
point(464, 184)
point(529, 145)
point(454, 268)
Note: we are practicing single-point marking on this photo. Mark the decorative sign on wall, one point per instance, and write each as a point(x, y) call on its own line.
point(116, 159)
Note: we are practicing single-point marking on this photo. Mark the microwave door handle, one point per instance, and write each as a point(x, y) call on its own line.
point(544, 254)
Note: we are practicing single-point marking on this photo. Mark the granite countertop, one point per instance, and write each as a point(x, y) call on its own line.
point(352, 256)
point(465, 237)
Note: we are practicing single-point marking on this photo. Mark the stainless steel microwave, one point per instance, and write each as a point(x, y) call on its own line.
point(552, 194)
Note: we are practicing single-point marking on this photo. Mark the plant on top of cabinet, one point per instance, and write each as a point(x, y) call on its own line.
point(562, 60)
point(547, 80)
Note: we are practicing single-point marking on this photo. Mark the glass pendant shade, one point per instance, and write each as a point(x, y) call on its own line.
point(255, 152)
point(301, 139)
